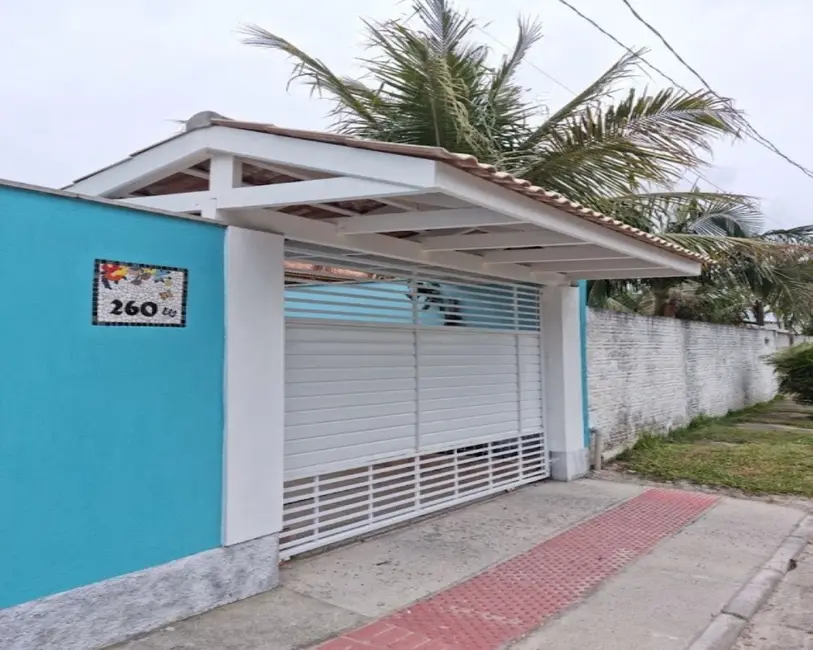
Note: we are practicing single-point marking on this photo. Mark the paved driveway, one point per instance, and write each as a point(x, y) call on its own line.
point(601, 564)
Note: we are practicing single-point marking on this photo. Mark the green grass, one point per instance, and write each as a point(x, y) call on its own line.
point(713, 451)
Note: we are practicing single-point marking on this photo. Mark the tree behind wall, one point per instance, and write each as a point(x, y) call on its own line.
point(794, 367)
point(429, 81)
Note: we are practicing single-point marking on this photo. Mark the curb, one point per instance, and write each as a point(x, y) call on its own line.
point(726, 627)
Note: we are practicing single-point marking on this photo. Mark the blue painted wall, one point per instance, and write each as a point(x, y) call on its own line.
point(583, 345)
point(110, 437)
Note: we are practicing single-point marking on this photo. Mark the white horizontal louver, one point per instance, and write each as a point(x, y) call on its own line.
point(404, 395)
point(349, 395)
point(328, 508)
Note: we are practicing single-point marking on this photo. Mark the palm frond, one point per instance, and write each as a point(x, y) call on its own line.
point(590, 97)
point(429, 81)
point(704, 213)
point(802, 235)
point(725, 249)
point(529, 33)
point(642, 139)
point(347, 94)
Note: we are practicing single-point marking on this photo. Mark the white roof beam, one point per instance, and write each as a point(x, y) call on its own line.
point(311, 175)
point(499, 199)
point(625, 274)
point(327, 234)
point(323, 190)
point(496, 240)
point(322, 156)
point(428, 220)
point(277, 195)
point(197, 173)
point(627, 264)
point(555, 254)
point(280, 170)
point(145, 167)
point(192, 147)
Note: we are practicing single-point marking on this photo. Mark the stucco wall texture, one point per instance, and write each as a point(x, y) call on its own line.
point(654, 374)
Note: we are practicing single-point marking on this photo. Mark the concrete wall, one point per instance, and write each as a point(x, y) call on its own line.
point(110, 437)
point(655, 374)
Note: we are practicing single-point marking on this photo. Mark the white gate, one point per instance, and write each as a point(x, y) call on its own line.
point(406, 392)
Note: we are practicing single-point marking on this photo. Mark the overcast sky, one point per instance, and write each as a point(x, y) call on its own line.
point(86, 82)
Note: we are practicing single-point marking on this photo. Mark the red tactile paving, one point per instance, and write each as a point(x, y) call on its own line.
point(517, 596)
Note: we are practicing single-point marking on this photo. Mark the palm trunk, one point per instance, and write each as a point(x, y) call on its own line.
point(759, 313)
point(663, 304)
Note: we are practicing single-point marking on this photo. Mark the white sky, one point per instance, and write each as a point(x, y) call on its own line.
point(87, 82)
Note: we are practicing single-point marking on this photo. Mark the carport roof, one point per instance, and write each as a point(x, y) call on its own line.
point(419, 204)
point(471, 165)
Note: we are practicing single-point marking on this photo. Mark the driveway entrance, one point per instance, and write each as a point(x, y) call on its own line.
point(681, 557)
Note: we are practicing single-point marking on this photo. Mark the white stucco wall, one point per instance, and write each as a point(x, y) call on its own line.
point(654, 374)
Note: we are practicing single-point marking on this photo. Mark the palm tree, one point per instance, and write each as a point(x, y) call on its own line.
point(427, 80)
point(433, 84)
point(753, 273)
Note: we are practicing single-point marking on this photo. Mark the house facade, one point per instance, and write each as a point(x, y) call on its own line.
point(249, 342)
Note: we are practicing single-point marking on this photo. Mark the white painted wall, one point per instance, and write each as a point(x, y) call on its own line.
point(655, 374)
point(561, 348)
point(255, 385)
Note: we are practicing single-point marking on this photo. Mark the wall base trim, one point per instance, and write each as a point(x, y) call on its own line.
point(114, 610)
point(569, 465)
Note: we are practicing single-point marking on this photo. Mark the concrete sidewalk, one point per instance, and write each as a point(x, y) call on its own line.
point(786, 622)
point(659, 596)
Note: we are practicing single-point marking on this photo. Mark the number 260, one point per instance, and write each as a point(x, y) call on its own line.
point(132, 309)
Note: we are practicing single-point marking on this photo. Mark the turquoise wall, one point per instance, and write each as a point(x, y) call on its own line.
point(110, 437)
point(583, 345)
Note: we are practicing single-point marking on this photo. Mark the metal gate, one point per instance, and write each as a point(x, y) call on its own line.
point(407, 391)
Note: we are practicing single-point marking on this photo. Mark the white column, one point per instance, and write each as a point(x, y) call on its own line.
point(561, 344)
point(255, 382)
point(225, 173)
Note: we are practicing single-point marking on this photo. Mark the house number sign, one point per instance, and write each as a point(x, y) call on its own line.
point(144, 295)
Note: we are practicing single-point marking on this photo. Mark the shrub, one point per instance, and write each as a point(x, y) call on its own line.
point(794, 366)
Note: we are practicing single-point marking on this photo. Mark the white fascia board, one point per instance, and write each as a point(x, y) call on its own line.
point(146, 167)
point(490, 195)
point(192, 147)
point(327, 234)
point(323, 157)
point(428, 220)
point(322, 190)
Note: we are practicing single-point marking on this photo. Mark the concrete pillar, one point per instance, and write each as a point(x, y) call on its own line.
point(564, 417)
point(255, 383)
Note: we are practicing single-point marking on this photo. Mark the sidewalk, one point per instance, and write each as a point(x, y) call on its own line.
point(602, 565)
point(786, 622)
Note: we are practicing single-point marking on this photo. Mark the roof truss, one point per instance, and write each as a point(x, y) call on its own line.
point(324, 190)
point(428, 220)
point(378, 203)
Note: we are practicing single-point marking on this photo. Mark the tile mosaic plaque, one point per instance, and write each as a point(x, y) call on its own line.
point(142, 295)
